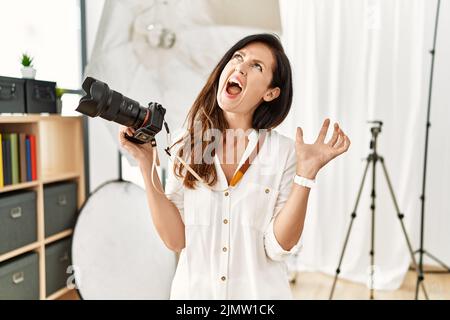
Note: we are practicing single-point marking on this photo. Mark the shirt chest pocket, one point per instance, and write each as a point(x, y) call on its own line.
point(198, 207)
point(256, 206)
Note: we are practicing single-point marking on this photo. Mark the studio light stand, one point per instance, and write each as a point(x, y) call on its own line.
point(421, 251)
point(372, 160)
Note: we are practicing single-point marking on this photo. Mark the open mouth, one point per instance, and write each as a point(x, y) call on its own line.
point(233, 88)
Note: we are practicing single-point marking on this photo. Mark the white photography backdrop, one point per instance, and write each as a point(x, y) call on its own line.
point(364, 60)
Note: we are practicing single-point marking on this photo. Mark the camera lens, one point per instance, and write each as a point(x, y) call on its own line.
point(108, 104)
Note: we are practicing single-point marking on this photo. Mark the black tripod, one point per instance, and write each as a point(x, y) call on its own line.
point(421, 251)
point(373, 158)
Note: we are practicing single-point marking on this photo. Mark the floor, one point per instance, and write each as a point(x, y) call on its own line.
point(317, 286)
point(311, 285)
point(71, 295)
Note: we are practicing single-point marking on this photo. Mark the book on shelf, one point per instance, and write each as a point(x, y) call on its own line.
point(33, 157)
point(1, 161)
point(28, 154)
point(6, 160)
point(18, 158)
point(23, 157)
point(14, 158)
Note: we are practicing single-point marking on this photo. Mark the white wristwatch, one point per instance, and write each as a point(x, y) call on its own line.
point(304, 182)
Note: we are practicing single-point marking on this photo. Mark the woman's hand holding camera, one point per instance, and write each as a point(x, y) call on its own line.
point(143, 153)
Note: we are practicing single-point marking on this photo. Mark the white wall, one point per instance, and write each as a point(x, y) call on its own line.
point(93, 13)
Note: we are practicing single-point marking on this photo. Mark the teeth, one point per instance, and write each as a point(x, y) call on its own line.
point(235, 82)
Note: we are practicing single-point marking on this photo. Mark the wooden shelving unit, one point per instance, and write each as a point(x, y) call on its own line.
point(58, 294)
point(59, 154)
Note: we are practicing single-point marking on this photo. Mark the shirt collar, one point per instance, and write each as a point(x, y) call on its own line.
point(252, 141)
point(253, 135)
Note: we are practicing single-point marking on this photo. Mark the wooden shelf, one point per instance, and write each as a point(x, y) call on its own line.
point(28, 118)
point(56, 177)
point(60, 143)
point(59, 157)
point(19, 251)
point(19, 186)
point(58, 236)
point(48, 178)
point(70, 295)
point(58, 293)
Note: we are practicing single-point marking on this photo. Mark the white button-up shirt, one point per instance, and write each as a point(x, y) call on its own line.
point(231, 251)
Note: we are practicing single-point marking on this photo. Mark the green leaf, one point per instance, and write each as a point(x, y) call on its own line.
point(26, 60)
point(60, 92)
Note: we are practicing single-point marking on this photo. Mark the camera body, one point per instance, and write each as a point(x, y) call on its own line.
point(147, 133)
point(111, 105)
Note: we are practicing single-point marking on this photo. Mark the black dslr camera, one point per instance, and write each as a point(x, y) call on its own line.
point(101, 101)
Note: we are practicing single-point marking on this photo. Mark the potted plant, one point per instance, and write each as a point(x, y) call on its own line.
point(27, 67)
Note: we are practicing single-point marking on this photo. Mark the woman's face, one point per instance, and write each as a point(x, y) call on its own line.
point(245, 80)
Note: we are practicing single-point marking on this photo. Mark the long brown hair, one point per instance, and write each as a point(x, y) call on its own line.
point(206, 111)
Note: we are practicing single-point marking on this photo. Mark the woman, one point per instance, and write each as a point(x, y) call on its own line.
point(236, 213)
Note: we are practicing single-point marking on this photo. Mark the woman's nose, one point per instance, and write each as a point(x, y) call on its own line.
point(240, 70)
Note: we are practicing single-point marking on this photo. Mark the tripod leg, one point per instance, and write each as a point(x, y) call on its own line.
point(353, 216)
point(400, 217)
point(443, 265)
point(372, 233)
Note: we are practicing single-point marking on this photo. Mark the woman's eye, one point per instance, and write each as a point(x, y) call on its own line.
point(237, 56)
point(258, 66)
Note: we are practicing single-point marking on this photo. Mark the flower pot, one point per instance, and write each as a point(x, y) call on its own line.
point(28, 72)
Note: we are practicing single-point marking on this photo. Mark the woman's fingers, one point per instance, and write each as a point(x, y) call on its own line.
point(344, 147)
point(300, 135)
point(335, 136)
point(340, 140)
point(323, 131)
point(130, 131)
point(346, 144)
point(122, 131)
point(125, 131)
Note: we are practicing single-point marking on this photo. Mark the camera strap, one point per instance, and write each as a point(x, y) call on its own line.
point(247, 163)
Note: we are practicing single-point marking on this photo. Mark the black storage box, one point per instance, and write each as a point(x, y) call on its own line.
point(57, 260)
point(40, 96)
point(19, 278)
point(17, 220)
point(60, 207)
point(12, 95)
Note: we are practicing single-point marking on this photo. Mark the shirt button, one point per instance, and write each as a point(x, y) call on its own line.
point(225, 221)
point(226, 194)
point(267, 190)
point(224, 249)
point(223, 278)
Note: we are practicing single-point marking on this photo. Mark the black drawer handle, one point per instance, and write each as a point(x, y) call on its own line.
point(16, 212)
point(65, 257)
point(62, 200)
point(18, 277)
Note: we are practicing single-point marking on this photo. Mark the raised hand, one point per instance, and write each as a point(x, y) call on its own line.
point(312, 157)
